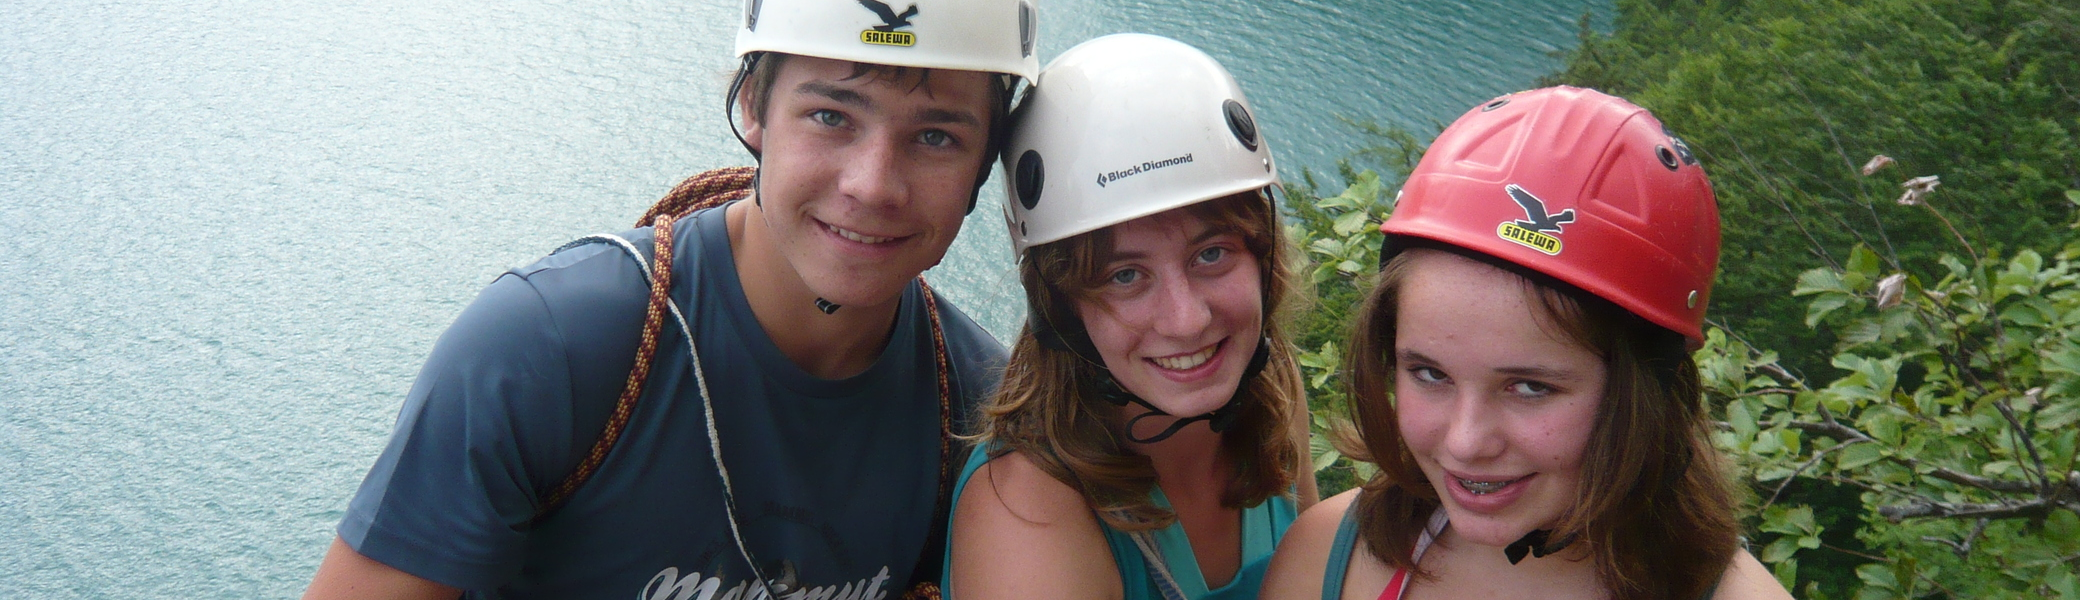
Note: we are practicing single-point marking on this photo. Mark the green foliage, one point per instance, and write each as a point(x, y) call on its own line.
point(1786, 99)
point(1340, 238)
point(1908, 414)
point(1955, 419)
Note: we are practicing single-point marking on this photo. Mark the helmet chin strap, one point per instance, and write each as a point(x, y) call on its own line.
point(1219, 420)
point(1078, 343)
point(1535, 544)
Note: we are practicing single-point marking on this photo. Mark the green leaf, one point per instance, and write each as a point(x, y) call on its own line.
point(1862, 261)
point(1877, 575)
point(1817, 281)
point(1881, 424)
point(1766, 445)
point(2066, 583)
point(2063, 528)
point(2026, 262)
point(1857, 455)
point(1824, 304)
point(2065, 361)
point(2059, 412)
point(1790, 521)
point(1742, 421)
point(1786, 573)
point(1350, 222)
point(1779, 550)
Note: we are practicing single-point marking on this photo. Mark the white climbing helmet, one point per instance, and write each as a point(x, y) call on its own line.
point(1126, 126)
point(996, 36)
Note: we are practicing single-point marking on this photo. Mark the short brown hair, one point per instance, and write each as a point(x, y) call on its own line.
point(1655, 508)
point(1050, 408)
point(753, 83)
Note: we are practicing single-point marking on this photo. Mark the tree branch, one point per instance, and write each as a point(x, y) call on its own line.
point(1961, 549)
point(2002, 510)
point(1848, 435)
point(1817, 457)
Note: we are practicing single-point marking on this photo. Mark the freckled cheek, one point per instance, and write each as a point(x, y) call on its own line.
point(1421, 426)
point(1113, 336)
point(1565, 440)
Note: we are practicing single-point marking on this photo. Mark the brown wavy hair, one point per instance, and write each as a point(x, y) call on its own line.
point(1049, 407)
point(1655, 508)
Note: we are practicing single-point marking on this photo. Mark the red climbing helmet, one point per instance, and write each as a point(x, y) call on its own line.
point(1579, 185)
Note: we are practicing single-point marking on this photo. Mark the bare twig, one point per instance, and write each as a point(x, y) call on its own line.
point(2028, 442)
point(1776, 195)
point(1778, 370)
point(1817, 457)
point(1953, 230)
point(1871, 557)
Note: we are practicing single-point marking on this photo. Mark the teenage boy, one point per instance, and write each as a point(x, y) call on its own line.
point(800, 455)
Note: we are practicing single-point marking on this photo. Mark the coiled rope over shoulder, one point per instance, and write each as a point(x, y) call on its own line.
point(701, 191)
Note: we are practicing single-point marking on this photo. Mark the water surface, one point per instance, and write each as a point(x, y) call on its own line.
point(230, 230)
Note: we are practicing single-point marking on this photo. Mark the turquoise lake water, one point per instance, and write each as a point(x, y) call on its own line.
point(231, 229)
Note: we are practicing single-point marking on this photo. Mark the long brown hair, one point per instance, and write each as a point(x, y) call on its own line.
point(1049, 406)
point(1655, 508)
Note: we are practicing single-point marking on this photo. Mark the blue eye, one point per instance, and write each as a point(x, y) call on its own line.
point(829, 118)
point(1426, 374)
point(935, 138)
point(1212, 255)
point(1124, 277)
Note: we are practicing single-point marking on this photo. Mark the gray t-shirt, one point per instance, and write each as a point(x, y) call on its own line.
point(835, 480)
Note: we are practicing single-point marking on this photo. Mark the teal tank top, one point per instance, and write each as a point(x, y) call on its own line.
point(1262, 526)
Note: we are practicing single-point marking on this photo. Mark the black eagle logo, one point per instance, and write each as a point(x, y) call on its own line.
point(890, 20)
point(1535, 211)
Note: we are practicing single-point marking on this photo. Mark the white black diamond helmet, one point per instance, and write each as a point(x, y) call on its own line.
point(1126, 126)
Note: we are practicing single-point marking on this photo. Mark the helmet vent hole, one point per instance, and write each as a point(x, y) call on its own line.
point(1029, 179)
point(1240, 124)
point(1495, 104)
point(1022, 230)
point(1668, 157)
point(1026, 29)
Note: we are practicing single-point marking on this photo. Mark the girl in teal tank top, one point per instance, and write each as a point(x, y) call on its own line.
point(1150, 429)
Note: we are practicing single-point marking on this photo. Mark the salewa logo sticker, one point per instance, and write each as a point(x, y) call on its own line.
point(1109, 177)
point(885, 34)
point(1531, 232)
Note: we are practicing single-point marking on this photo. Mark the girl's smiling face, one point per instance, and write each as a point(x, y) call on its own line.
point(1178, 312)
point(1494, 405)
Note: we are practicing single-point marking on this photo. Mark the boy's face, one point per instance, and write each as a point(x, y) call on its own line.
point(864, 181)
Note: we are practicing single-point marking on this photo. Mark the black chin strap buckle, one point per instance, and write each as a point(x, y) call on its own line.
point(1534, 543)
point(826, 306)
